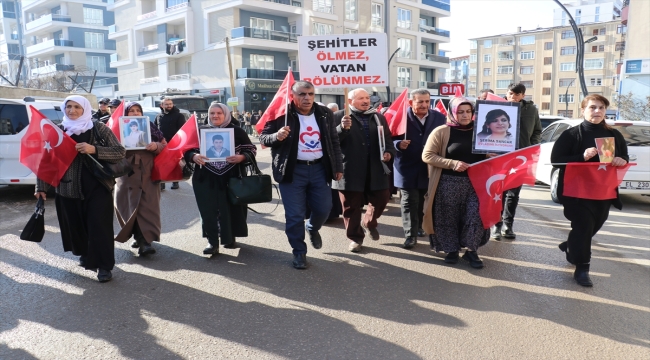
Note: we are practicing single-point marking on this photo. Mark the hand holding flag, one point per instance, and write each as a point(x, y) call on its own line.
point(278, 106)
point(396, 114)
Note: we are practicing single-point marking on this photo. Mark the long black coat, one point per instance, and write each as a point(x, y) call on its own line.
point(357, 156)
point(169, 123)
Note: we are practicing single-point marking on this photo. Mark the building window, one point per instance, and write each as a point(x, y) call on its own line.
point(505, 69)
point(546, 76)
point(377, 14)
point(472, 84)
point(94, 40)
point(403, 76)
point(566, 82)
point(548, 60)
point(595, 82)
point(503, 84)
point(265, 62)
point(351, 10)
point(403, 18)
point(487, 58)
point(506, 55)
point(526, 55)
point(404, 46)
point(567, 50)
point(486, 85)
point(259, 23)
point(487, 71)
point(621, 29)
point(546, 91)
point(322, 29)
point(93, 16)
point(598, 48)
point(597, 9)
point(526, 70)
point(351, 31)
point(592, 64)
point(567, 99)
point(620, 46)
point(472, 58)
point(548, 45)
point(527, 40)
point(570, 66)
point(472, 71)
point(96, 63)
point(323, 6)
point(528, 84)
point(565, 113)
point(568, 34)
point(546, 106)
point(487, 44)
point(473, 44)
point(603, 31)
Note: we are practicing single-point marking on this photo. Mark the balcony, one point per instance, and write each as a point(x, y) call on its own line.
point(285, 2)
point(437, 8)
point(178, 6)
point(263, 34)
point(8, 14)
point(47, 46)
point(150, 80)
point(245, 73)
point(149, 49)
point(436, 58)
point(146, 16)
point(434, 31)
point(49, 69)
point(46, 21)
point(14, 37)
point(439, 4)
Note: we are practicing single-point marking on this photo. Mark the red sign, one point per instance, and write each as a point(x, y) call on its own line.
point(215, 91)
point(450, 89)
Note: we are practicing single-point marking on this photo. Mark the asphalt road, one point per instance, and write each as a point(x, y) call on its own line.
point(384, 303)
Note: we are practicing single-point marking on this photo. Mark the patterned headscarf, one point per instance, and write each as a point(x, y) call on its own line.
point(156, 134)
point(226, 113)
point(454, 104)
point(84, 122)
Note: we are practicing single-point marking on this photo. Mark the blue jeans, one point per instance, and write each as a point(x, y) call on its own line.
point(311, 187)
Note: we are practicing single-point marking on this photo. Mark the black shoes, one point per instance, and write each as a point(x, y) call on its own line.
point(314, 237)
point(474, 260)
point(421, 233)
point(581, 275)
point(146, 249)
point(162, 186)
point(452, 258)
point(495, 232)
point(507, 232)
point(104, 276)
point(300, 261)
point(82, 261)
point(374, 234)
point(211, 250)
point(135, 244)
point(564, 247)
point(232, 245)
point(175, 186)
point(410, 242)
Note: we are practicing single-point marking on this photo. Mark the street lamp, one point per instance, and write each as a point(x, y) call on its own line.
point(580, 44)
point(388, 85)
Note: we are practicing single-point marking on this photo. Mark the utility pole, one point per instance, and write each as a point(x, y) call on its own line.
point(232, 79)
point(388, 85)
point(21, 46)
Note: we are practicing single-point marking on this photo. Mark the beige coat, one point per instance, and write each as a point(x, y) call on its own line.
point(434, 155)
point(138, 197)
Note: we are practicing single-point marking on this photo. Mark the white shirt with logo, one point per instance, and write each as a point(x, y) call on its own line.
point(309, 144)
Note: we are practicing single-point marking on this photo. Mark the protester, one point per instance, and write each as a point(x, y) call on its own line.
point(411, 175)
point(306, 157)
point(84, 203)
point(451, 209)
point(483, 94)
point(247, 123)
point(366, 177)
point(235, 118)
point(169, 121)
point(587, 216)
point(333, 106)
point(255, 118)
point(102, 114)
point(219, 217)
point(530, 131)
point(113, 105)
point(137, 197)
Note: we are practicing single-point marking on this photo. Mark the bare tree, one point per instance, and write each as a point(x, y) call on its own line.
point(63, 78)
point(633, 108)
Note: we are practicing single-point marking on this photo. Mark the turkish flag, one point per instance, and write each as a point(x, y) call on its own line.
point(493, 97)
point(278, 106)
point(440, 107)
point(46, 149)
point(490, 178)
point(381, 106)
point(114, 122)
point(458, 93)
point(593, 180)
point(396, 114)
point(166, 165)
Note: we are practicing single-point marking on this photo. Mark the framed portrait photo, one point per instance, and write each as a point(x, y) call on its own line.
point(217, 144)
point(496, 128)
point(135, 133)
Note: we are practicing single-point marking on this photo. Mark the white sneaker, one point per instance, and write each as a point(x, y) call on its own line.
point(354, 247)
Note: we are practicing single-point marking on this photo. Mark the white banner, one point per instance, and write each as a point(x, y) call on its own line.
point(344, 60)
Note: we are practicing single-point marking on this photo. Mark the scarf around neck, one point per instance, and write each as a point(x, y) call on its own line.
point(373, 112)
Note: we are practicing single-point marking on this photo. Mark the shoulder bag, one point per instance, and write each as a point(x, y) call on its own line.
point(35, 228)
point(250, 189)
point(105, 170)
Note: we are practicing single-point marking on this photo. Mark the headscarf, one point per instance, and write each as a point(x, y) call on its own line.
point(156, 134)
point(226, 113)
point(81, 124)
point(454, 104)
point(129, 105)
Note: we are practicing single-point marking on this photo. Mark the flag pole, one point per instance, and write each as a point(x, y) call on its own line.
point(508, 153)
point(286, 101)
point(345, 102)
point(405, 114)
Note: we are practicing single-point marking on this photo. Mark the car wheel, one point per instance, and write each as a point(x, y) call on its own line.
point(555, 177)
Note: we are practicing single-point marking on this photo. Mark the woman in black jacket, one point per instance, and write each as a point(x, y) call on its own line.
point(587, 216)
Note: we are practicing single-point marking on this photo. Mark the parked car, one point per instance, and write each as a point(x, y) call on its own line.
point(547, 120)
point(14, 119)
point(637, 136)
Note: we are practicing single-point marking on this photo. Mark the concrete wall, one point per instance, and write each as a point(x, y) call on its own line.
point(8, 92)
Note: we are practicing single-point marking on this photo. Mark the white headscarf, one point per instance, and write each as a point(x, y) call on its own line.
point(84, 122)
point(226, 112)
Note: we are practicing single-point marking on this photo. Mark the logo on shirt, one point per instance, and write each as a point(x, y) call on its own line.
point(309, 138)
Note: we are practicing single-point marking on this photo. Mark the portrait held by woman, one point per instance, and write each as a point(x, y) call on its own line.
point(496, 126)
point(84, 203)
point(135, 138)
point(587, 216)
point(220, 219)
point(451, 208)
point(137, 197)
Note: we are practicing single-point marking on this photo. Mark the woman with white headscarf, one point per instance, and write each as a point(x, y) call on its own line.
point(451, 208)
point(84, 203)
point(220, 218)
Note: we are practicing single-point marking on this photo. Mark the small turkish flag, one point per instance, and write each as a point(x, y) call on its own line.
point(278, 106)
point(166, 165)
point(396, 114)
point(440, 107)
point(593, 180)
point(493, 97)
point(490, 178)
point(457, 93)
point(381, 106)
point(114, 122)
point(46, 149)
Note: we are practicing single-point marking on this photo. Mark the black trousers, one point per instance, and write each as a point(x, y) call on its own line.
point(412, 205)
point(510, 202)
point(587, 217)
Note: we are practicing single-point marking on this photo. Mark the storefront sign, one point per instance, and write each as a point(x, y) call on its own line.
point(262, 85)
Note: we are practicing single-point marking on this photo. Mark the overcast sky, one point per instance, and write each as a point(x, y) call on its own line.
point(478, 18)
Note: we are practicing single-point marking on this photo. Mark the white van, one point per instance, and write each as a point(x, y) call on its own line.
point(14, 119)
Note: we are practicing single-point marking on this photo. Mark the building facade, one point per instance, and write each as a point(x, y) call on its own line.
point(458, 70)
point(635, 71)
point(177, 44)
point(544, 60)
point(588, 11)
point(9, 47)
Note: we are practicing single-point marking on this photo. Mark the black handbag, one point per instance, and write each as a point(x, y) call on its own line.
point(250, 189)
point(105, 170)
point(188, 169)
point(35, 228)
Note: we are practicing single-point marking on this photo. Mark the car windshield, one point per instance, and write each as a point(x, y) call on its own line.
point(192, 104)
point(635, 135)
point(55, 115)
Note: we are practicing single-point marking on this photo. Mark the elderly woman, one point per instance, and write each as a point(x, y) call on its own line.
point(220, 218)
point(84, 203)
point(497, 123)
point(137, 197)
point(451, 209)
point(587, 216)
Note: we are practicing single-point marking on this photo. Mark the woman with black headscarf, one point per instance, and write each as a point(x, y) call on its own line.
point(219, 217)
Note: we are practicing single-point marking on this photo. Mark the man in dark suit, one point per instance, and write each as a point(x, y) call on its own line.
point(411, 174)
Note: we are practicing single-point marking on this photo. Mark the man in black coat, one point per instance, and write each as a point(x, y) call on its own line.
point(411, 174)
point(365, 173)
point(306, 157)
point(169, 121)
point(102, 112)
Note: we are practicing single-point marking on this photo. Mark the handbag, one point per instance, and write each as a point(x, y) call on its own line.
point(105, 170)
point(250, 189)
point(187, 168)
point(35, 228)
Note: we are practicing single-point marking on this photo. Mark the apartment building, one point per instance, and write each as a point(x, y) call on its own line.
point(178, 44)
point(588, 11)
point(544, 60)
point(9, 47)
point(635, 72)
point(458, 70)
